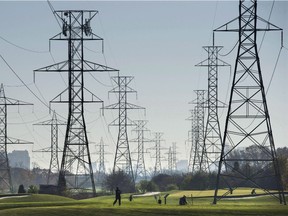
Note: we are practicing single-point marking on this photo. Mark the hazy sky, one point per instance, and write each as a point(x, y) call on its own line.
point(156, 42)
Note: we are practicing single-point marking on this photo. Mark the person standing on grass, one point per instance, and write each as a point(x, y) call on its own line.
point(117, 196)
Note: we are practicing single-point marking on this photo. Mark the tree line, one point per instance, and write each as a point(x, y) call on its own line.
point(204, 180)
point(161, 182)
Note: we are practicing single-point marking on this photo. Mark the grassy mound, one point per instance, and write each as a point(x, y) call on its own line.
point(35, 198)
point(48, 205)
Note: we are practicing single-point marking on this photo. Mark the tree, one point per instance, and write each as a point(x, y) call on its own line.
point(152, 187)
point(187, 182)
point(162, 180)
point(21, 189)
point(282, 154)
point(62, 184)
point(178, 179)
point(171, 187)
point(199, 181)
point(119, 179)
point(147, 186)
point(142, 186)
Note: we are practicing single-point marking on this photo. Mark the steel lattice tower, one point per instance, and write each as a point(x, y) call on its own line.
point(101, 171)
point(140, 129)
point(157, 140)
point(170, 160)
point(76, 169)
point(199, 163)
point(5, 175)
point(101, 167)
point(212, 136)
point(122, 160)
point(248, 121)
point(174, 157)
point(192, 139)
point(53, 149)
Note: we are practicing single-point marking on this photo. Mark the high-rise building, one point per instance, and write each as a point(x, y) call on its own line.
point(19, 158)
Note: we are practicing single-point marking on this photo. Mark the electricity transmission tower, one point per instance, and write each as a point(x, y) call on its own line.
point(53, 149)
point(172, 160)
point(192, 139)
point(174, 157)
point(140, 129)
point(199, 162)
point(122, 159)
point(5, 175)
point(76, 169)
point(212, 136)
point(248, 121)
point(158, 139)
point(101, 152)
point(101, 171)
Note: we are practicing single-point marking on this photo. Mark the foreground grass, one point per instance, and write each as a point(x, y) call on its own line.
point(45, 205)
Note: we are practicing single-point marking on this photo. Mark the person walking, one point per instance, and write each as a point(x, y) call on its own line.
point(117, 196)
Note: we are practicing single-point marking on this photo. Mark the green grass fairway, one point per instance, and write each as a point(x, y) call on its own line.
point(48, 205)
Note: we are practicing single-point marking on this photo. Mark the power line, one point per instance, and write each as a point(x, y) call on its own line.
point(23, 82)
point(273, 3)
point(230, 50)
point(285, 48)
point(28, 122)
point(20, 47)
point(214, 18)
point(100, 81)
point(274, 70)
point(53, 59)
point(17, 86)
point(101, 24)
point(53, 11)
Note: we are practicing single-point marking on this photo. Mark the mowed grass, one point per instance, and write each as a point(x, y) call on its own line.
point(48, 205)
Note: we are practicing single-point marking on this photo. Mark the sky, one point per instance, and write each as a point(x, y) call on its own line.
point(157, 42)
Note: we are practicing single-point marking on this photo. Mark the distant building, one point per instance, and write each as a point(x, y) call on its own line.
point(182, 165)
point(19, 158)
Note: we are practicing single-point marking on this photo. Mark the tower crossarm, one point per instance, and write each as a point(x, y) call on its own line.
point(232, 26)
point(15, 141)
point(91, 97)
point(88, 66)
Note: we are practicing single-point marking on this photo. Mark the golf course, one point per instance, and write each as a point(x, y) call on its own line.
point(198, 203)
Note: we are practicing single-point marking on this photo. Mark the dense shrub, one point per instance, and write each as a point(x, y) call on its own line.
point(21, 189)
point(119, 179)
point(33, 189)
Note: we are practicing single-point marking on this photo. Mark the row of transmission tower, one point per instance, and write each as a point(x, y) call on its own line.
point(75, 170)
